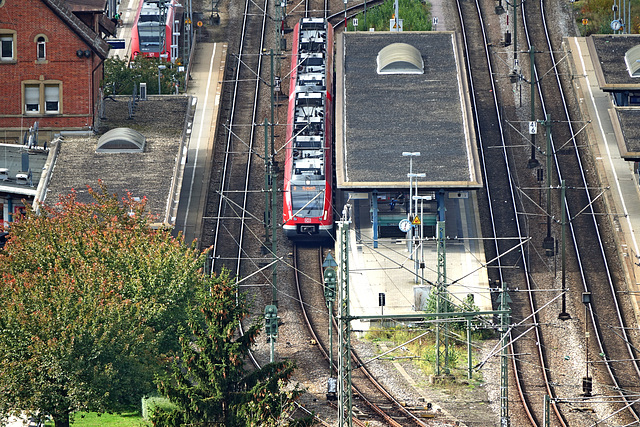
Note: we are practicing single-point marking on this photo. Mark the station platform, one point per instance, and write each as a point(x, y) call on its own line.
point(623, 194)
point(390, 269)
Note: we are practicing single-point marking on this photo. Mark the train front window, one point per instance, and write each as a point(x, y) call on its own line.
point(150, 37)
point(307, 200)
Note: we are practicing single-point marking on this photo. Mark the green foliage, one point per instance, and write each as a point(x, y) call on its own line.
point(415, 15)
point(599, 15)
point(209, 382)
point(120, 77)
point(92, 300)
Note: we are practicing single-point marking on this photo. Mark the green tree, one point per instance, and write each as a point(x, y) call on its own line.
point(210, 383)
point(120, 76)
point(92, 300)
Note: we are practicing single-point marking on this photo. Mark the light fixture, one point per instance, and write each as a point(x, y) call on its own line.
point(87, 53)
point(79, 53)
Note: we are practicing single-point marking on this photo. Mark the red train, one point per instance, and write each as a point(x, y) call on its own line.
point(156, 29)
point(308, 175)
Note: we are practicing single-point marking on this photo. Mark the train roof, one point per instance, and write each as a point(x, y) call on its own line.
point(379, 116)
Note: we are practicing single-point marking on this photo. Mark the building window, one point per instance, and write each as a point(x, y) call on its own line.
point(32, 98)
point(51, 99)
point(41, 48)
point(7, 44)
point(42, 97)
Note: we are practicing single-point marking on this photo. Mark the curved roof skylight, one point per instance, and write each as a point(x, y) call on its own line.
point(400, 58)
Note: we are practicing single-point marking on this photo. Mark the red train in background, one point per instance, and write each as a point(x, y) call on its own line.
point(308, 175)
point(156, 29)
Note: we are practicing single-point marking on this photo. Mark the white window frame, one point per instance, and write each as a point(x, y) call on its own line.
point(41, 48)
point(4, 37)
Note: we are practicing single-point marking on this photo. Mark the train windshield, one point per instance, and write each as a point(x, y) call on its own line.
point(149, 18)
point(307, 200)
point(150, 37)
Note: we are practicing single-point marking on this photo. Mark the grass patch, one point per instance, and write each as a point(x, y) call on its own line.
point(415, 14)
point(423, 350)
point(93, 419)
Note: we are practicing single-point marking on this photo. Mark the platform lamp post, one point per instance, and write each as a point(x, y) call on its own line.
point(160, 67)
point(422, 199)
point(415, 221)
point(411, 155)
point(330, 284)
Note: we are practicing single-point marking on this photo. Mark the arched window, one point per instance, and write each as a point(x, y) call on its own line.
point(41, 52)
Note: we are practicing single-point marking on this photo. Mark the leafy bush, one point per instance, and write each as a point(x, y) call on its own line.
point(120, 77)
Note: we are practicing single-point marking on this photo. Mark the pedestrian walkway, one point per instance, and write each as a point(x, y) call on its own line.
point(406, 283)
point(127, 10)
point(617, 173)
point(205, 86)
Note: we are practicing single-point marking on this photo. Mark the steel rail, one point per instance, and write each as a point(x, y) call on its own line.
point(230, 137)
point(516, 370)
point(594, 321)
point(362, 368)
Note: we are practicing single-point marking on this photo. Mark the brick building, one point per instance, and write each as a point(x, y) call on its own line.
point(51, 64)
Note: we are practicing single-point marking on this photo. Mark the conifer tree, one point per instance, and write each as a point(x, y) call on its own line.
point(211, 383)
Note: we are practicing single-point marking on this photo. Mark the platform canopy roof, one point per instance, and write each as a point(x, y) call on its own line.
point(381, 115)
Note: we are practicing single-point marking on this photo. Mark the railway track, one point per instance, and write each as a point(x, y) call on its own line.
point(500, 198)
point(538, 273)
point(371, 400)
point(598, 264)
point(229, 206)
point(535, 338)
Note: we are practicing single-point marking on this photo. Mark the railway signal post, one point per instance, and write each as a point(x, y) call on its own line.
point(330, 283)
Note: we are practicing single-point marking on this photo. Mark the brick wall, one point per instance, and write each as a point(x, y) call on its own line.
point(30, 18)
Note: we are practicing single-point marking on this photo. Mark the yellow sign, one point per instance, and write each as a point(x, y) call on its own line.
point(416, 220)
point(199, 23)
point(585, 21)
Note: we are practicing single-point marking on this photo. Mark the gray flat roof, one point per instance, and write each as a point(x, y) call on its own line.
point(611, 70)
point(151, 174)
point(379, 116)
point(11, 159)
point(625, 121)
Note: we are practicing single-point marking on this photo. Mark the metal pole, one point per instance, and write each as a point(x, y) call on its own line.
point(469, 367)
point(344, 361)
point(533, 162)
point(563, 314)
point(548, 243)
point(411, 155)
point(504, 360)
point(422, 240)
point(272, 108)
point(515, 34)
point(267, 210)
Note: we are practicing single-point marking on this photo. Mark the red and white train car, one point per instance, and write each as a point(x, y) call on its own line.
point(308, 175)
point(156, 29)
